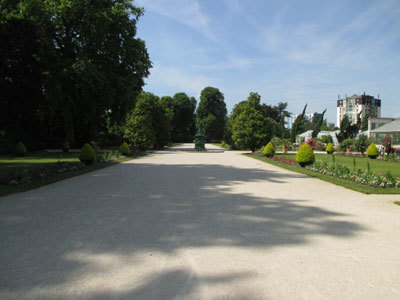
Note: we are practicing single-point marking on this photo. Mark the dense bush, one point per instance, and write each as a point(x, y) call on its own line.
point(305, 155)
point(65, 147)
point(20, 149)
point(361, 143)
point(269, 150)
point(326, 139)
point(87, 154)
point(124, 149)
point(345, 144)
point(372, 151)
point(329, 149)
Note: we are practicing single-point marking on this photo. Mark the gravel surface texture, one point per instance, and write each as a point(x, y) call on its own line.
point(176, 224)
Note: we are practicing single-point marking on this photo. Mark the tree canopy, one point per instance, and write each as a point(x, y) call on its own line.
point(211, 113)
point(91, 61)
point(251, 125)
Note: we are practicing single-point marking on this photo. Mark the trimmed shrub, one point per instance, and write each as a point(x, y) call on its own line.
point(87, 155)
point(329, 149)
point(345, 144)
point(124, 149)
point(269, 150)
point(20, 149)
point(305, 156)
point(372, 151)
point(65, 147)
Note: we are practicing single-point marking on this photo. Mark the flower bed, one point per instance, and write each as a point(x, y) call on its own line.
point(284, 160)
point(27, 175)
point(358, 176)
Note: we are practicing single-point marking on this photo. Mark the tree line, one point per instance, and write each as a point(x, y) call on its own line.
point(73, 71)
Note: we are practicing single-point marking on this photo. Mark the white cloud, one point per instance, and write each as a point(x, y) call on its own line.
point(187, 12)
point(173, 78)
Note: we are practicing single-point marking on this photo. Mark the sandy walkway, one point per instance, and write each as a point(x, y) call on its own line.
point(183, 225)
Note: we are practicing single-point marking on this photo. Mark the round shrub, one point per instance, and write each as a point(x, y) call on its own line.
point(329, 149)
point(20, 149)
point(305, 155)
point(269, 150)
point(372, 151)
point(87, 155)
point(65, 147)
point(124, 149)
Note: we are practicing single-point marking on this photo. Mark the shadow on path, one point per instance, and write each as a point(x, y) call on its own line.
point(161, 208)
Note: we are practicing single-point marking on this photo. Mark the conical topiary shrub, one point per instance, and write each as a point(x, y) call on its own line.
point(372, 151)
point(124, 149)
point(269, 150)
point(87, 155)
point(305, 155)
point(329, 148)
point(20, 149)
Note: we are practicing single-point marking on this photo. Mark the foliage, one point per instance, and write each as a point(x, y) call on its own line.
point(91, 65)
point(276, 141)
point(20, 80)
point(305, 155)
point(211, 113)
point(326, 139)
point(87, 154)
point(269, 150)
point(124, 149)
point(347, 143)
point(347, 130)
point(357, 175)
point(298, 125)
point(65, 147)
point(372, 151)
point(180, 113)
point(329, 148)
point(318, 123)
point(250, 126)
point(361, 143)
point(20, 149)
point(147, 126)
point(312, 142)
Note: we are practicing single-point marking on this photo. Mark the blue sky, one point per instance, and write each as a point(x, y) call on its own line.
point(292, 51)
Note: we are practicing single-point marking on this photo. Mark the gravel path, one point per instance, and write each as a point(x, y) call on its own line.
point(182, 225)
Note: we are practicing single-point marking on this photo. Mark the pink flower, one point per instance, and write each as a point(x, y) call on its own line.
point(380, 174)
point(397, 178)
point(383, 179)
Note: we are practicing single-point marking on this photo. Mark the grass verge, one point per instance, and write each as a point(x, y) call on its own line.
point(10, 189)
point(344, 183)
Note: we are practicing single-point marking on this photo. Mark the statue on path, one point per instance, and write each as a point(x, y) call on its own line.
point(199, 141)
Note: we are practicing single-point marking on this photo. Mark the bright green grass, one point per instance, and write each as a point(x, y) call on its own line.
point(377, 166)
point(344, 183)
point(32, 160)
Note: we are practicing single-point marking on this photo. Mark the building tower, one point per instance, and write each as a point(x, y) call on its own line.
point(356, 104)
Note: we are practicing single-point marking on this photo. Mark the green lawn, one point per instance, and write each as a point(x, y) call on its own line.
point(32, 160)
point(377, 166)
point(381, 166)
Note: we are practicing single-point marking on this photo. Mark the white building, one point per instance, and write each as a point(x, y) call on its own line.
point(356, 104)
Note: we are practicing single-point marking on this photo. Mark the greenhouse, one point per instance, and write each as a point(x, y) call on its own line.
point(391, 129)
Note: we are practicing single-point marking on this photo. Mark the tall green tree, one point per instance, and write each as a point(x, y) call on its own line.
point(318, 124)
point(93, 62)
point(298, 125)
point(251, 127)
point(211, 113)
point(20, 82)
point(181, 109)
point(148, 126)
